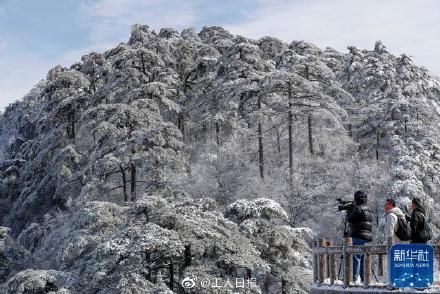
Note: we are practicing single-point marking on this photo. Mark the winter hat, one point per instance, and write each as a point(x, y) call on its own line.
point(360, 197)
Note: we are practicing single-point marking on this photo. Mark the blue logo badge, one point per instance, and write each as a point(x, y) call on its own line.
point(411, 265)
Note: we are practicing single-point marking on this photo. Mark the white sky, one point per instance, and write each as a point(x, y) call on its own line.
point(36, 35)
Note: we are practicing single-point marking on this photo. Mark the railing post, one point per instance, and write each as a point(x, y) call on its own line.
point(367, 269)
point(438, 260)
point(390, 242)
point(348, 262)
point(332, 265)
point(436, 249)
point(322, 262)
point(315, 262)
point(2, 258)
point(327, 260)
point(380, 264)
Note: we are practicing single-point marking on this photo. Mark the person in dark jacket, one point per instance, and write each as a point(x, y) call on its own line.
point(417, 220)
point(359, 221)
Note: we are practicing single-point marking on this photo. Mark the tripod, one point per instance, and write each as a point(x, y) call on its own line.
point(342, 256)
point(342, 244)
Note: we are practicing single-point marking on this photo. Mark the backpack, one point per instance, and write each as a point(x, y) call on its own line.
point(403, 231)
point(425, 233)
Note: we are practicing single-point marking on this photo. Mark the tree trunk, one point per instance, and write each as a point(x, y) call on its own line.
point(248, 274)
point(283, 286)
point(183, 128)
point(187, 259)
point(133, 182)
point(350, 130)
point(71, 125)
point(217, 132)
point(241, 106)
point(148, 262)
point(266, 284)
point(377, 215)
point(377, 142)
point(171, 268)
point(144, 70)
point(124, 183)
point(204, 131)
point(181, 125)
point(278, 134)
point(132, 165)
point(307, 72)
point(260, 144)
point(309, 123)
point(290, 121)
point(93, 84)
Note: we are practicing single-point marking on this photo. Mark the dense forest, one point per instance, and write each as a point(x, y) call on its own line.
point(190, 156)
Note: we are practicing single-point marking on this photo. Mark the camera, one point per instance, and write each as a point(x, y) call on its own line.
point(345, 205)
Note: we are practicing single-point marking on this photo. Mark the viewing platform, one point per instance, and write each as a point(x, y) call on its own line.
point(333, 269)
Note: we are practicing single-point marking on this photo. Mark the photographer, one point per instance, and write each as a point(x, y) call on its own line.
point(359, 221)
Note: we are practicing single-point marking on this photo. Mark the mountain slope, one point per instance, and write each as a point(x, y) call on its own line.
point(179, 155)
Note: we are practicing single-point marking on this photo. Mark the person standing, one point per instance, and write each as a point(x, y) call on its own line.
point(359, 221)
point(417, 222)
point(393, 214)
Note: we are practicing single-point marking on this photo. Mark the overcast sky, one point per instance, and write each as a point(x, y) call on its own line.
point(36, 35)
